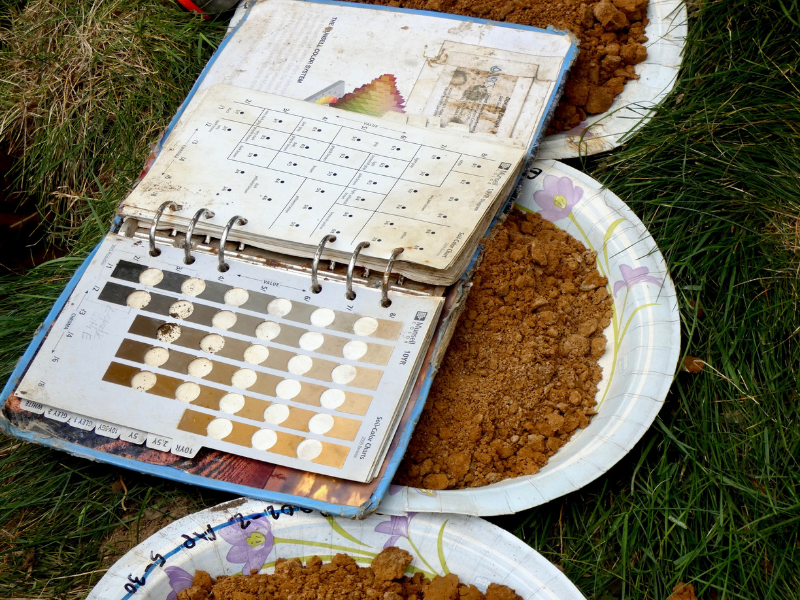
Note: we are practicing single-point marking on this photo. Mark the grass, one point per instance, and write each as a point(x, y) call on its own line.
point(711, 494)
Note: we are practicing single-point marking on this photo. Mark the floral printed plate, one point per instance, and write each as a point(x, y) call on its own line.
point(638, 366)
point(637, 102)
point(244, 534)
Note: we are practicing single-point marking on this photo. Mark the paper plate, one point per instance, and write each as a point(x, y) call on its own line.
point(247, 534)
point(638, 366)
point(634, 106)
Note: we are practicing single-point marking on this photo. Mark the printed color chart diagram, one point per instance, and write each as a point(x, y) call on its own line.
point(178, 357)
point(303, 171)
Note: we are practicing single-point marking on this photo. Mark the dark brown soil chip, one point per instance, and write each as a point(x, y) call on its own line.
point(611, 33)
point(521, 372)
point(341, 579)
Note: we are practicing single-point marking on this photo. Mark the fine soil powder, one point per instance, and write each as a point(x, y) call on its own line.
point(611, 34)
point(341, 579)
point(521, 372)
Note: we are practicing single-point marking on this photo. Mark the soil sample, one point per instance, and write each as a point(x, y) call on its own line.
point(521, 372)
point(611, 34)
point(341, 579)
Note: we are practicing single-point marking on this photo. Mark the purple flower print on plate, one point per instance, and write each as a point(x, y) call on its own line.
point(631, 277)
point(558, 197)
point(250, 546)
point(396, 527)
point(179, 580)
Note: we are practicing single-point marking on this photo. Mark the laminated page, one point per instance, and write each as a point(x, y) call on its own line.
point(299, 172)
point(179, 357)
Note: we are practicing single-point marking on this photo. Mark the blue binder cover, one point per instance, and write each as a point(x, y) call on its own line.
point(239, 475)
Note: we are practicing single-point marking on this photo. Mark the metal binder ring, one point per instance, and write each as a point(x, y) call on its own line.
point(385, 302)
point(168, 204)
point(187, 246)
point(350, 294)
point(315, 286)
point(237, 220)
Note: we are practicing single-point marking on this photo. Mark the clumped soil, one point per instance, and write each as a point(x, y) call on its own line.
point(521, 372)
point(611, 34)
point(341, 579)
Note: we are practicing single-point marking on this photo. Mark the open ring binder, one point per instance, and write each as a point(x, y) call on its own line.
point(385, 302)
point(168, 204)
point(350, 294)
point(237, 220)
point(187, 247)
point(315, 286)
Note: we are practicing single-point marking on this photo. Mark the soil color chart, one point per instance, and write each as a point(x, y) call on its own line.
point(152, 351)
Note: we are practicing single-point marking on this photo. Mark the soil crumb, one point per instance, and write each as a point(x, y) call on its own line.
point(521, 372)
point(683, 591)
point(611, 34)
point(341, 579)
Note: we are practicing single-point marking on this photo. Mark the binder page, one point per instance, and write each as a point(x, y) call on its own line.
point(326, 52)
point(299, 171)
point(149, 350)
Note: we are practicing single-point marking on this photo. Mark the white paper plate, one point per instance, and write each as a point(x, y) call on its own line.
point(634, 106)
point(638, 366)
point(478, 552)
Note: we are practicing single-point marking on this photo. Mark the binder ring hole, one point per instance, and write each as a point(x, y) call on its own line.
point(349, 293)
point(386, 303)
point(316, 288)
point(222, 266)
point(154, 224)
point(188, 260)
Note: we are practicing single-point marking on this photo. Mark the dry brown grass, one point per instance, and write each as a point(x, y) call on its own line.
point(84, 88)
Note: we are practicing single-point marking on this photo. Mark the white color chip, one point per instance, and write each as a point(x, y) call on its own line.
point(354, 350)
point(332, 399)
point(194, 286)
point(200, 367)
point(279, 307)
point(219, 428)
point(143, 381)
point(231, 403)
point(168, 333)
point(182, 309)
point(275, 414)
point(244, 378)
point(224, 319)
point(151, 277)
point(138, 299)
point(309, 449)
point(256, 354)
point(155, 357)
point(322, 317)
point(300, 364)
point(236, 296)
point(311, 340)
point(320, 423)
point(187, 391)
point(365, 326)
point(343, 374)
point(268, 330)
point(264, 439)
point(287, 389)
point(212, 343)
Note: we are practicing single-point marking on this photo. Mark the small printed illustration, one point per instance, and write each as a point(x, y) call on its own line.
point(375, 99)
